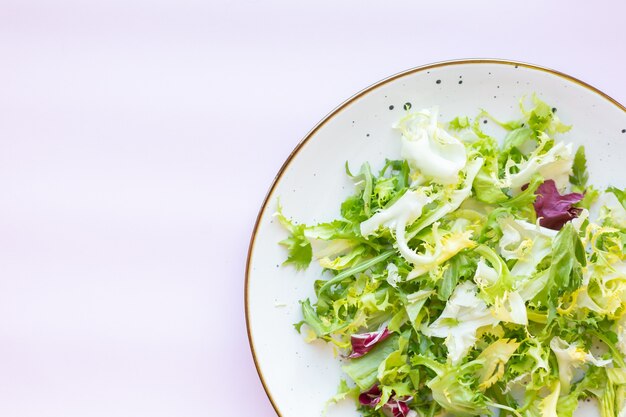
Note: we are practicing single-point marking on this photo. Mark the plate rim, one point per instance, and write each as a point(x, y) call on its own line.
point(336, 111)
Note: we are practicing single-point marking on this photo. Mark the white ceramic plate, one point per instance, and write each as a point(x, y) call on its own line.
point(298, 377)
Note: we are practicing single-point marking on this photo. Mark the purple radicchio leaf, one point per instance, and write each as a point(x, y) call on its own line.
point(364, 342)
point(371, 397)
point(395, 407)
point(554, 209)
point(398, 408)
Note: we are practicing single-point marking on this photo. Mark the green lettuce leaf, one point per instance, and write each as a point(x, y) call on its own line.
point(299, 250)
point(364, 370)
point(566, 268)
point(455, 388)
point(459, 123)
point(579, 176)
point(541, 118)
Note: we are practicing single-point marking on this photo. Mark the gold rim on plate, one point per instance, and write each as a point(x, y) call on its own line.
point(332, 114)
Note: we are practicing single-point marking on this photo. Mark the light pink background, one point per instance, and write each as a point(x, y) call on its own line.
point(137, 141)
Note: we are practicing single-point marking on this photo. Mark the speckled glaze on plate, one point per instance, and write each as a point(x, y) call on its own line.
point(299, 378)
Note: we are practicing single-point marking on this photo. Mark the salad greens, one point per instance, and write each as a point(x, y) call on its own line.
point(473, 275)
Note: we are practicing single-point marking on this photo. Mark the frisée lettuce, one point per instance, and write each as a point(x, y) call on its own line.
point(476, 275)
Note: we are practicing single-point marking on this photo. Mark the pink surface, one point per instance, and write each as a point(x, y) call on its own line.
point(137, 141)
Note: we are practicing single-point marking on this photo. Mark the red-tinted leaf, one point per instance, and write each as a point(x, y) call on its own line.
point(395, 407)
point(371, 397)
point(398, 408)
point(554, 209)
point(364, 342)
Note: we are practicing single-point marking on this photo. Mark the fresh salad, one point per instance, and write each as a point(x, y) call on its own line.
point(474, 276)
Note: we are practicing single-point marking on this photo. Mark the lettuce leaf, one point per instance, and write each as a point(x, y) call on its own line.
point(429, 149)
point(554, 209)
point(299, 250)
point(579, 176)
point(463, 315)
point(455, 388)
point(364, 342)
point(566, 267)
point(364, 370)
